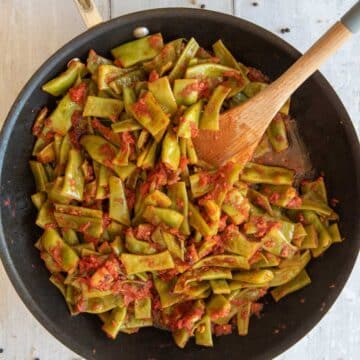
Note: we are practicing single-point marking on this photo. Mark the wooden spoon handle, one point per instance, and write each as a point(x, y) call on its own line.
point(89, 12)
point(305, 66)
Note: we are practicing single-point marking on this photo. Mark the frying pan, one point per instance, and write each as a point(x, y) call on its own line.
point(325, 128)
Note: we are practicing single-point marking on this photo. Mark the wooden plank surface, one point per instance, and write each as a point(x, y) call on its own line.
point(119, 7)
point(30, 31)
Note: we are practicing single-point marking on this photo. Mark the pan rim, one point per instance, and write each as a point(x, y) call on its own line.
point(62, 53)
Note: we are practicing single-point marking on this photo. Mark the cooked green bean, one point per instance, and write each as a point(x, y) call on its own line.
point(140, 231)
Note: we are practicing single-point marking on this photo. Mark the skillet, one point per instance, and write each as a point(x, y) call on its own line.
point(326, 131)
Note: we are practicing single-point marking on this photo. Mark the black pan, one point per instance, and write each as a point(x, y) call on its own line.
point(326, 130)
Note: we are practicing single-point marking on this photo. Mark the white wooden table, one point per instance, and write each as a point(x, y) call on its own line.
point(30, 31)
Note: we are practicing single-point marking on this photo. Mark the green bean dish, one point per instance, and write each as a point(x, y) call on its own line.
point(141, 232)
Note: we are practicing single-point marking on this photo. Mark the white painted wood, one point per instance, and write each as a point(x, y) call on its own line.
point(30, 31)
point(120, 7)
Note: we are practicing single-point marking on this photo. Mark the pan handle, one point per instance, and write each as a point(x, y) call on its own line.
point(89, 12)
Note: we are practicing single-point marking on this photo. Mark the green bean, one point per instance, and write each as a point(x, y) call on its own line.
point(181, 337)
point(118, 208)
point(236, 206)
point(166, 59)
point(243, 317)
point(128, 79)
point(58, 281)
point(227, 261)
point(178, 194)
point(94, 61)
point(311, 240)
point(258, 199)
point(190, 276)
point(78, 211)
point(323, 234)
point(60, 118)
point(290, 269)
point(191, 152)
point(140, 263)
point(297, 283)
point(186, 91)
point(38, 199)
point(136, 246)
point(276, 133)
point(170, 151)
point(63, 155)
point(317, 186)
point(149, 114)
point(187, 54)
point(62, 253)
point(73, 187)
point(158, 198)
point(219, 286)
point(263, 174)
point(45, 217)
point(203, 332)
point(126, 125)
point(257, 277)
point(70, 236)
point(189, 122)
point(114, 322)
point(218, 306)
point(104, 108)
point(197, 221)
point(236, 242)
point(200, 183)
point(210, 117)
point(175, 246)
point(142, 308)
point(263, 147)
point(167, 296)
point(64, 81)
point(163, 94)
point(88, 225)
point(169, 217)
point(47, 154)
point(39, 174)
point(136, 51)
point(225, 56)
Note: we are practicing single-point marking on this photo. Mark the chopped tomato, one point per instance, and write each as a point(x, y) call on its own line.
point(78, 93)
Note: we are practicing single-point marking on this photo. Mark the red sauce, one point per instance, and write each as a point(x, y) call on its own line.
point(256, 309)
point(257, 75)
point(119, 63)
point(78, 93)
point(334, 202)
point(295, 202)
point(106, 220)
point(191, 255)
point(155, 41)
point(77, 130)
point(194, 130)
point(183, 163)
point(140, 108)
point(130, 198)
point(202, 87)
point(84, 227)
point(234, 75)
point(153, 76)
point(133, 291)
point(144, 232)
point(220, 330)
point(107, 151)
point(106, 132)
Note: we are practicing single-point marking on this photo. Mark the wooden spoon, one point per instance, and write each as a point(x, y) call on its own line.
point(242, 127)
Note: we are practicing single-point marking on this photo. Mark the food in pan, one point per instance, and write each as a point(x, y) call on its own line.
point(136, 228)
